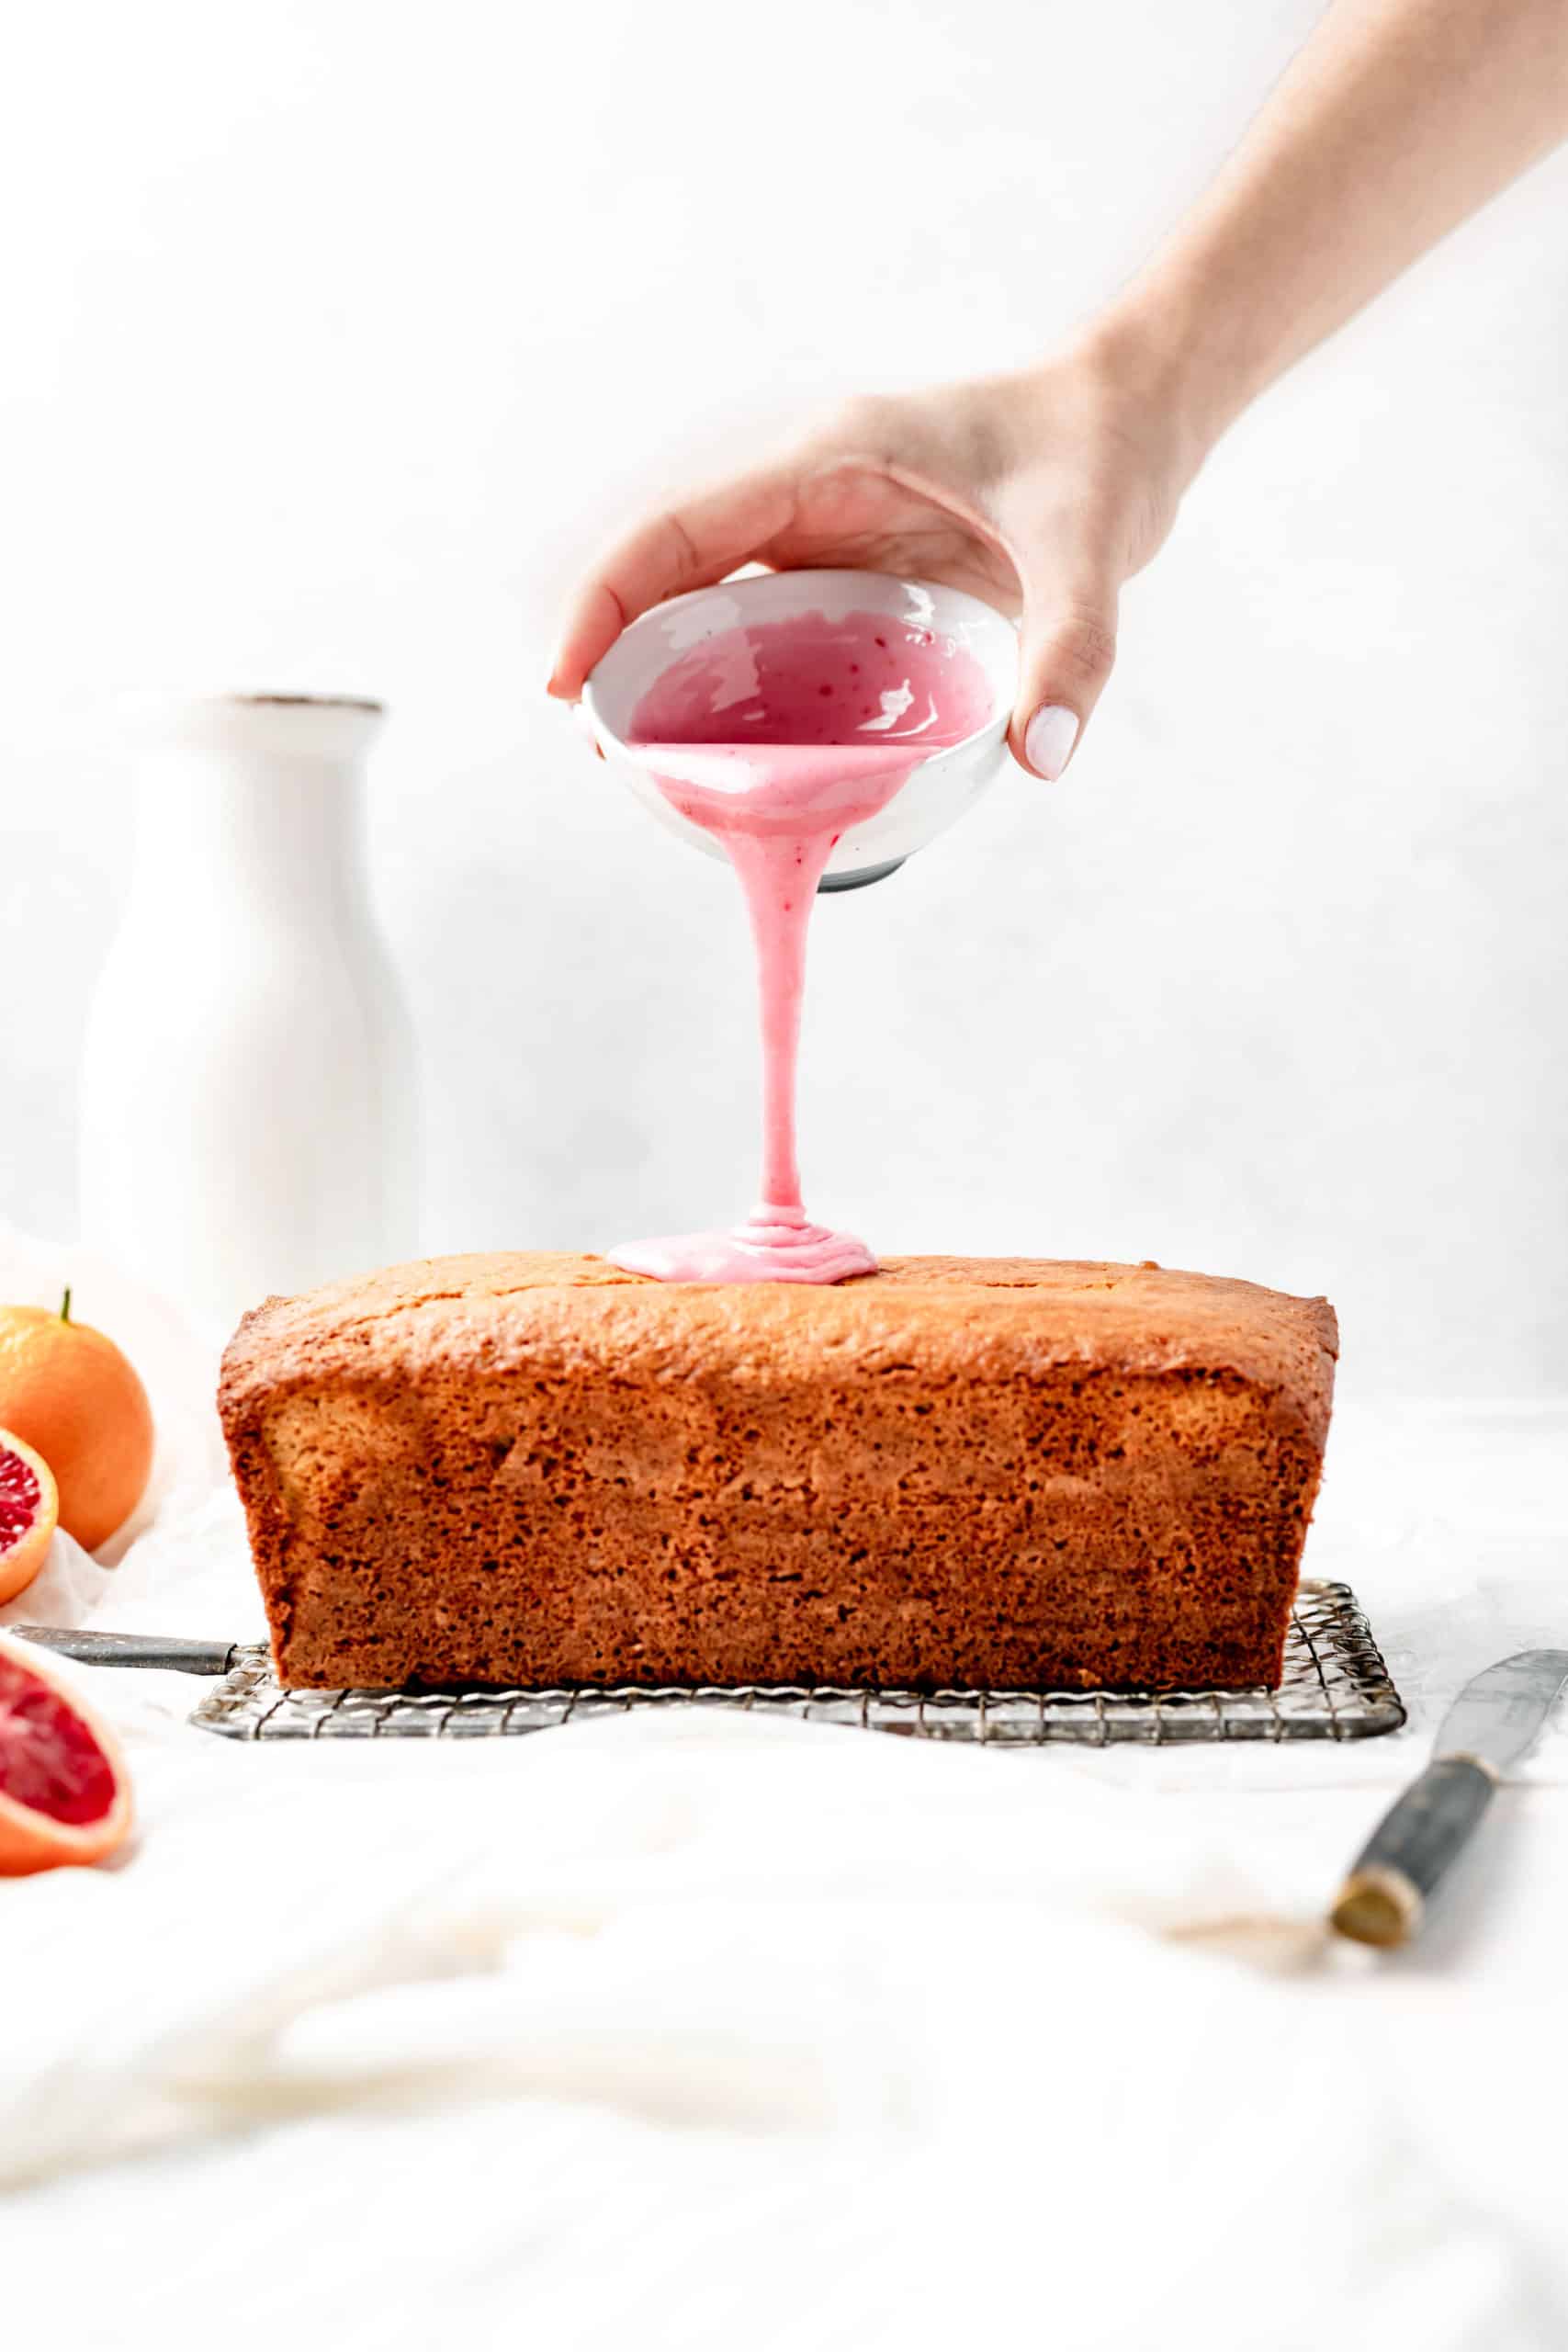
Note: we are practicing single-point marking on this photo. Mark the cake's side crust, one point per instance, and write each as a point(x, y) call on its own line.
point(485, 1476)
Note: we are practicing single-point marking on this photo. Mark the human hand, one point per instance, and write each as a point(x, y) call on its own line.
point(1040, 491)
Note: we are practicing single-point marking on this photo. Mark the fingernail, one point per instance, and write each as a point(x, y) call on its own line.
point(1049, 738)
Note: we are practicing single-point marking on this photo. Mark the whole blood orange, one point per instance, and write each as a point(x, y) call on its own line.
point(69, 1392)
point(64, 1796)
point(28, 1509)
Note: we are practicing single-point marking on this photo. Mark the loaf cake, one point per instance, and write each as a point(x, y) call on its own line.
point(956, 1473)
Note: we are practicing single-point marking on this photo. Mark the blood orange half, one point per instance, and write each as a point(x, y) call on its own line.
point(29, 1505)
point(64, 1796)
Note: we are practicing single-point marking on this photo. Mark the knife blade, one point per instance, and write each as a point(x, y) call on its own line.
point(1491, 1726)
point(162, 1652)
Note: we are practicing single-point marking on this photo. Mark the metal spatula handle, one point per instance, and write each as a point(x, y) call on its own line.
point(1413, 1845)
point(164, 1652)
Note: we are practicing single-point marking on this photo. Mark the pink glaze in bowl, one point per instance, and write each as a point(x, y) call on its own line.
point(940, 784)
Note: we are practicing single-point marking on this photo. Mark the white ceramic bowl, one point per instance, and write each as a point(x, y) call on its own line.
point(943, 784)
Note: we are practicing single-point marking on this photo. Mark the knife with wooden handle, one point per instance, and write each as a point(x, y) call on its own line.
point(1491, 1726)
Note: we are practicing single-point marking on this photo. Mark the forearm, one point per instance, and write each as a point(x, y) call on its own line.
point(1397, 121)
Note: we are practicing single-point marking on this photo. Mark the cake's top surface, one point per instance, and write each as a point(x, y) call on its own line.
point(952, 1318)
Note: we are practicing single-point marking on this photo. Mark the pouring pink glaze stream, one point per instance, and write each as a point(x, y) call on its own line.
point(777, 739)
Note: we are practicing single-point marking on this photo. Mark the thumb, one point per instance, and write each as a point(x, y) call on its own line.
point(1069, 644)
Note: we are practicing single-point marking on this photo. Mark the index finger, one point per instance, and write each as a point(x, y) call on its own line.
point(689, 545)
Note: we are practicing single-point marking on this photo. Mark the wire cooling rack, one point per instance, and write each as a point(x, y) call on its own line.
point(1335, 1686)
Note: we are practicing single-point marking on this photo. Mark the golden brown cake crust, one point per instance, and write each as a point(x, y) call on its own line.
point(529, 1306)
point(1007, 1472)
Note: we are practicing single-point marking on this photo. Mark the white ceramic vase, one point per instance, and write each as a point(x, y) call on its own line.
point(247, 1115)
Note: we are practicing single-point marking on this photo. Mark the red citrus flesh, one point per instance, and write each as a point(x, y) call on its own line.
point(20, 1496)
point(64, 1792)
point(49, 1759)
point(30, 1510)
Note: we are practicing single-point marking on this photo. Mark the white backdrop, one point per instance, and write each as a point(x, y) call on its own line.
point(339, 331)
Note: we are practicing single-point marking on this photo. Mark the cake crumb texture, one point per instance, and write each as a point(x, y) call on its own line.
point(1008, 1474)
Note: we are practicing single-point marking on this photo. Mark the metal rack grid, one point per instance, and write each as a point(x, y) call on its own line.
point(1335, 1686)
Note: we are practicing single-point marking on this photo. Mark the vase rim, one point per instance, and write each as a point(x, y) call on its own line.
point(290, 725)
point(304, 702)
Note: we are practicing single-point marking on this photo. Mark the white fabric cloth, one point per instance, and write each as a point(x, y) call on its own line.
point(694, 2030)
